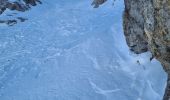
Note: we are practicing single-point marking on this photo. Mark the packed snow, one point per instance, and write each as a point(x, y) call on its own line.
point(68, 50)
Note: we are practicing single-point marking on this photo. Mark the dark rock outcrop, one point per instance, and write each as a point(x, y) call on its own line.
point(97, 3)
point(18, 5)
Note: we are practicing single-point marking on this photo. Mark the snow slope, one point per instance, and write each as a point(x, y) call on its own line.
point(68, 50)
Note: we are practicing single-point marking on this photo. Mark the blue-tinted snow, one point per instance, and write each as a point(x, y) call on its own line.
point(68, 50)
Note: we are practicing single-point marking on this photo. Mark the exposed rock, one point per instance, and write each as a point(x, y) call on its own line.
point(18, 5)
point(32, 2)
point(147, 26)
point(22, 19)
point(96, 3)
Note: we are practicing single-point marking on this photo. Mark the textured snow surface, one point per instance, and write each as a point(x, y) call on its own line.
point(68, 50)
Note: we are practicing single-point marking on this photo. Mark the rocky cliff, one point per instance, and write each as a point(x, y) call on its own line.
point(147, 28)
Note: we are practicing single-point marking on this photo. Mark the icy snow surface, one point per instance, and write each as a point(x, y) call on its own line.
point(68, 50)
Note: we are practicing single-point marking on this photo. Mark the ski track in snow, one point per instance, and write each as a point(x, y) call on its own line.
point(68, 50)
point(101, 91)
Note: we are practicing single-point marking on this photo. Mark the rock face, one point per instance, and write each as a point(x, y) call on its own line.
point(147, 28)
